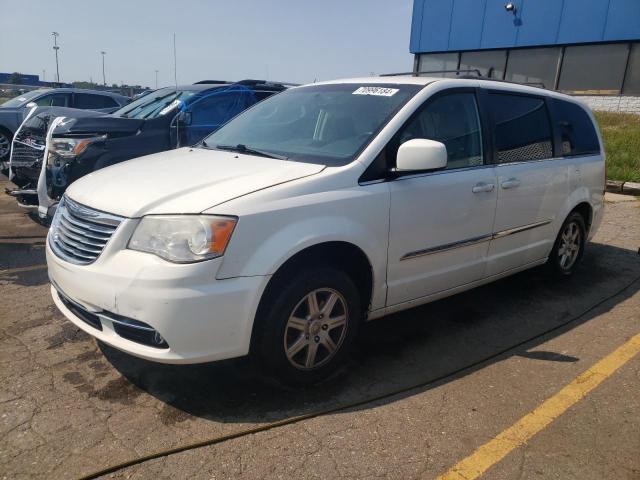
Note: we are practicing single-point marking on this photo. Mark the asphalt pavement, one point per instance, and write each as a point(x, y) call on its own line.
point(70, 406)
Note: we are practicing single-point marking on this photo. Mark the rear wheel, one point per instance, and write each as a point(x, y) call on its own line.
point(307, 326)
point(569, 246)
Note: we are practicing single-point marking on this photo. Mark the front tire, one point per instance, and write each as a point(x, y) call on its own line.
point(307, 325)
point(5, 150)
point(569, 246)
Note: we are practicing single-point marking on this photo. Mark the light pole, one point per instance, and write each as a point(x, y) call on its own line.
point(56, 48)
point(156, 79)
point(104, 78)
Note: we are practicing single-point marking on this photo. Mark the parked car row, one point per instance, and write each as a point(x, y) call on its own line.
point(318, 208)
point(81, 142)
point(14, 111)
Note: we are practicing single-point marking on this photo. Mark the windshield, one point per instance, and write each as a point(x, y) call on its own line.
point(154, 104)
point(327, 124)
point(20, 100)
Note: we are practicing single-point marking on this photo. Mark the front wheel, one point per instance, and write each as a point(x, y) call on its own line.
point(307, 325)
point(569, 246)
point(5, 150)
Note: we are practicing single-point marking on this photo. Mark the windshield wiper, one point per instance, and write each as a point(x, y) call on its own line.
point(240, 148)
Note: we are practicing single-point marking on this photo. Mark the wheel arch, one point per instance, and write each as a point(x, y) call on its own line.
point(586, 210)
point(344, 255)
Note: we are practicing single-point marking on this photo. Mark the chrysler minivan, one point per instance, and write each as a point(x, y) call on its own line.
point(323, 207)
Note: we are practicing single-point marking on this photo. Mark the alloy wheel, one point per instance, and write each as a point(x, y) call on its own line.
point(316, 329)
point(4, 145)
point(570, 242)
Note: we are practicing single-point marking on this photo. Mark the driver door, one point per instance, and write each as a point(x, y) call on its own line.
point(441, 222)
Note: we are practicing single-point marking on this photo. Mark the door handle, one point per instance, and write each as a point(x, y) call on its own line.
point(510, 183)
point(483, 187)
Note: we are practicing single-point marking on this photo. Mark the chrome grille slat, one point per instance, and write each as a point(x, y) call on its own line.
point(73, 251)
point(70, 228)
point(27, 148)
point(78, 245)
point(79, 234)
point(88, 226)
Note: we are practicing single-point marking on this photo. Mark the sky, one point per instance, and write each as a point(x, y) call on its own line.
point(284, 40)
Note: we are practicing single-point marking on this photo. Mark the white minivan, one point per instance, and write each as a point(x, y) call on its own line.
point(322, 207)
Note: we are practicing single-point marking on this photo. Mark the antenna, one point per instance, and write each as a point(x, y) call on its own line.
point(175, 62)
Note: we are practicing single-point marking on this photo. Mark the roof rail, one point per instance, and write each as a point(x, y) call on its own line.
point(422, 72)
point(478, 76)
point(201, 82)
point(266, 82)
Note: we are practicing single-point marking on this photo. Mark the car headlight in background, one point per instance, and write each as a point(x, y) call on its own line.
point(183, 238)
point(70, 147)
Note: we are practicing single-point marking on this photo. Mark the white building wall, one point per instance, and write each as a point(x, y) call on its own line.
point(613, 103)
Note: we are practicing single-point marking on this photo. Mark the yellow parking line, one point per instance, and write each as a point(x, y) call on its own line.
point(519, 433)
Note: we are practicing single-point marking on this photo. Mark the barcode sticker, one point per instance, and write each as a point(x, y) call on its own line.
point(379, 91)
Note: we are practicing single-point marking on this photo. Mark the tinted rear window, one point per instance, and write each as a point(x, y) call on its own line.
point(577, 132)
point(89, 101)
point(522, 128)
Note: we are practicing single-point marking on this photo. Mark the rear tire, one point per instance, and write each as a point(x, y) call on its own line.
point(569, 246)
point(306, 326)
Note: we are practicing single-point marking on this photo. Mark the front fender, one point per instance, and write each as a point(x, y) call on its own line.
point(265, 240)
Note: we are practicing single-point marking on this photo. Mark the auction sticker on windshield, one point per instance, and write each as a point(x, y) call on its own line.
point(380, 91)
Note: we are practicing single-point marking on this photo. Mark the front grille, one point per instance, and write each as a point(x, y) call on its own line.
point(24, 155)
point(78, 234)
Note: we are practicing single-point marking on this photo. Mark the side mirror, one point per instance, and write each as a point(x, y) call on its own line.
point(31, 105)
point(421, 154)
point(184, 118)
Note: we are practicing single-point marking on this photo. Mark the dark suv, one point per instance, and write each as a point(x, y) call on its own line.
point(14, 111)
point(82, 142)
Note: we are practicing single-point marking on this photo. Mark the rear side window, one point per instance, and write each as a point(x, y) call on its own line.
point(577, 132)
point(54, 100)
point(522, 128)
point(89, 101)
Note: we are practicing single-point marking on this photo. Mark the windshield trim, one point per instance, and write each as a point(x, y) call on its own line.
point(149, 99)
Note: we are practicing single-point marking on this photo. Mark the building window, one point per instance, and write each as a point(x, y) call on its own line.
point(632, 80)
point(490, 63)
point(595, 69)
point(534, 65)
point(521, 128)
point(438, 61)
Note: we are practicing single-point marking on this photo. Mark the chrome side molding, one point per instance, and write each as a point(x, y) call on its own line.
point(472, 241)
point(523, 228)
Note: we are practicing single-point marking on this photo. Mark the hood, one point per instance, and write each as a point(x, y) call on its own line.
point(11, 117)
point(10, 110)
point(93, 122)
point(187, 180)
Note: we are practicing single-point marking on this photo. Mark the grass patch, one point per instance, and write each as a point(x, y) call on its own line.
point(621, 135)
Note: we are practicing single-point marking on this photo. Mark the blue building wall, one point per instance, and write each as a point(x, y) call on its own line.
point(453, 25)
point(26, 78)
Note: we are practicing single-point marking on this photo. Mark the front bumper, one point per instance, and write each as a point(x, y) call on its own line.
point(200, 318)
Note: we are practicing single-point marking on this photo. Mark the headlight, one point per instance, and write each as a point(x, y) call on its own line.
point(72, 147)
point(183, 238)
